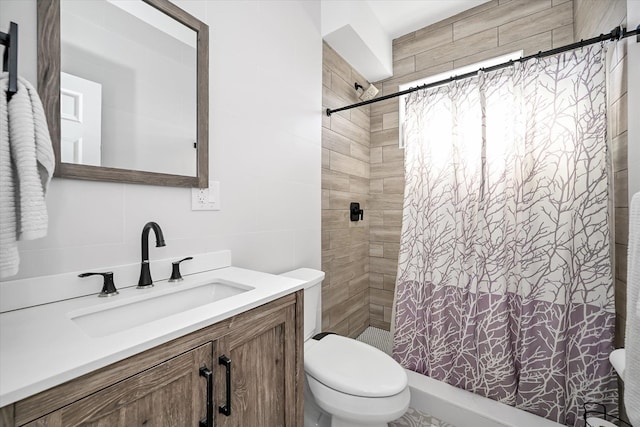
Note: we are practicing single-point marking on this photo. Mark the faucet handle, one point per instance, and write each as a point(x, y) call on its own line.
point(175, 270)
point(108, 287)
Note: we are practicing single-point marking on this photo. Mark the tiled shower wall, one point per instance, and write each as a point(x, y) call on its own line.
point(593, 17)
point(345, 179)
point(489, 30)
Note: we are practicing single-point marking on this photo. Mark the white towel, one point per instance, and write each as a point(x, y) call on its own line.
point(26, 167)
point(632, 334)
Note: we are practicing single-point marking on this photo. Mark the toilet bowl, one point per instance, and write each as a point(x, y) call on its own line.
point(347, 383)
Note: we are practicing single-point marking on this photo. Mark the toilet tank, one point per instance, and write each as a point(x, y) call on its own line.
point(312, 298)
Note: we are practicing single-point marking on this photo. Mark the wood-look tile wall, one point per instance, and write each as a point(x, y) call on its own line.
point(345, 179)
point(491, 29)
point(592, 17)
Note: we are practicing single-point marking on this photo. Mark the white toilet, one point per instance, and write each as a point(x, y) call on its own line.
point(347, 383)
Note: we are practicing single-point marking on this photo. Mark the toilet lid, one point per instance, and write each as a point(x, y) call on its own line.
point(353, 367)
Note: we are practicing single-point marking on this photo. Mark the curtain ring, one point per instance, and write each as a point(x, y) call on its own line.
point(604, 47)
point(538, 58)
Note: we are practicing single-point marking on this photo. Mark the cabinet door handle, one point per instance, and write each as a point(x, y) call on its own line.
point(208, 421)
point(226, 409)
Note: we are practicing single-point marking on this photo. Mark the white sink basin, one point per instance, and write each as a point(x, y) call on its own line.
point(156, 304)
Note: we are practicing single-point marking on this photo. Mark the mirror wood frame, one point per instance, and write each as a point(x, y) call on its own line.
point(49, 90)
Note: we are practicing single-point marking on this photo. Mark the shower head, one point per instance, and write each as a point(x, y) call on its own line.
point(367, 94)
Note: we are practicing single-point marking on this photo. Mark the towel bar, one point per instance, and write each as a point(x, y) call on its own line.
point(10, 57)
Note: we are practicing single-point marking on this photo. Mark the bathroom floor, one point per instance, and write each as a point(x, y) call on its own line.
point(381, 339)
point(378, 338)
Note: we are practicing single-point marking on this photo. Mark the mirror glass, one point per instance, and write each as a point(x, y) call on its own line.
point(127, 87)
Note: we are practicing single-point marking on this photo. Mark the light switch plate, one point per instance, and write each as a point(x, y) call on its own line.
point(206, 199)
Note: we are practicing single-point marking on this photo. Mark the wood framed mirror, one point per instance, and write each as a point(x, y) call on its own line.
point(125, 89)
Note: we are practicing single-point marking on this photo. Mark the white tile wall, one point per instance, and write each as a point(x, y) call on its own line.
point(265, 149)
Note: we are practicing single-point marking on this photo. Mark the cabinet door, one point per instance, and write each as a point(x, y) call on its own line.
point(170, 394)
point(262, 355)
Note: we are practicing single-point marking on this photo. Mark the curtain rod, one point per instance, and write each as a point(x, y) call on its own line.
point(615, 34)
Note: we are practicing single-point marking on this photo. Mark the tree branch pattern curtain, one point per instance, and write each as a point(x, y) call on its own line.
point(504, 280)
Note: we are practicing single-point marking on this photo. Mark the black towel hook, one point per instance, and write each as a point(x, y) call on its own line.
point(10, 57)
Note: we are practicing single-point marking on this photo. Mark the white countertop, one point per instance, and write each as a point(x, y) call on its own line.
point(41, 347)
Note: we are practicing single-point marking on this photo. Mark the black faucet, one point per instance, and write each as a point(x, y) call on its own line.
point(145, 280)
point(108, 287)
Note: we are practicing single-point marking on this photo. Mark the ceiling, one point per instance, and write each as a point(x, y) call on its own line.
point(399, 17)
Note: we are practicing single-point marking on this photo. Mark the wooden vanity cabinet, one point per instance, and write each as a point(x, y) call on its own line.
point(259, 351)
point(170, 394)
point(264, 378)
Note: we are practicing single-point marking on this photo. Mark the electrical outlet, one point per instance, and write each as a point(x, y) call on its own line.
point(206, 199)
point(203, 195)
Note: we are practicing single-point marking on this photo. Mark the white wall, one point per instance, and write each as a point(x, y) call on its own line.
point(265, 149)
point(353, 30)
point(633, 95)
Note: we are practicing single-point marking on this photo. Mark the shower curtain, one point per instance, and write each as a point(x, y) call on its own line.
point(504, 280)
